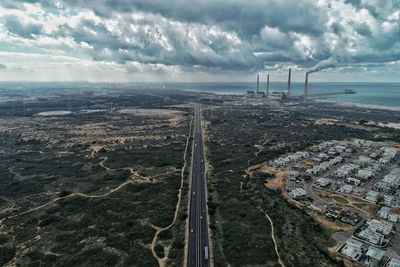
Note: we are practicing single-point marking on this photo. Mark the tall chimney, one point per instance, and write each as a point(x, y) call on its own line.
point(258, 82)
point(288, 85)
point(306, 86)
point(267, 85)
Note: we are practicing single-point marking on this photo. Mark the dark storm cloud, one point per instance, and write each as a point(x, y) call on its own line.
point(363, 29)
point(26, 30)
point(355, 3)
point(238, 35)
point(245, 17)
point(336, 28)
point(147, 48)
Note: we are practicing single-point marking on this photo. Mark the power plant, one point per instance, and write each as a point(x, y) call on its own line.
point(258, 82)
point(287, 95)
point(290, 76)
point(306, 86)
point(347, 91)
point(276, 95)
point(257, 93)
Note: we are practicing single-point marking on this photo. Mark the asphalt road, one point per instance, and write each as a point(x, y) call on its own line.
point(198, 247)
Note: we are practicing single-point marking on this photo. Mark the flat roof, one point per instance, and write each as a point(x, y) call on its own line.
point(394, 263)
point(375, 253)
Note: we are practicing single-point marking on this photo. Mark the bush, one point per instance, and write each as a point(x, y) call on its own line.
point(6, 254)
point(159, 249)
point(178, 244)
point(64, 193)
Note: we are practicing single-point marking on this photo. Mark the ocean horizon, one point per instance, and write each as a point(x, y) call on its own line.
point(375, 94)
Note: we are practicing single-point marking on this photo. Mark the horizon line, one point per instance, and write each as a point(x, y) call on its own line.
point(182, 82)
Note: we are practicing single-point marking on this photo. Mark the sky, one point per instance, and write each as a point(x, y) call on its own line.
point(199, 40)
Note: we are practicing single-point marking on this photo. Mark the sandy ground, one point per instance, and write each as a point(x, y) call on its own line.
point(394, 144)
point(47, 128)
point(88, 111)
point(349, 104)
point(150, 112)
point(371, 125)
point(278, 182)
point(54, 113)
point(333, 225)
point(254, 167)
point(387, 125)
point(326, 121)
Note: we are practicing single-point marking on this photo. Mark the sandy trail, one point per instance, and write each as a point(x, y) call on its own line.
point(273, 238)
point(161, 261)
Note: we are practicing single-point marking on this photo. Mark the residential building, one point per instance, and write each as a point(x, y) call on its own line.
point(297, 193)
point(352, 249)
point(372, 196)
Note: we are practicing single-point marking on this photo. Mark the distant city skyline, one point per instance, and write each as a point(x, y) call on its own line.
point(199, 40)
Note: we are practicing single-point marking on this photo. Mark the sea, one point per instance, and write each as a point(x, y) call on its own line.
point(366, 94)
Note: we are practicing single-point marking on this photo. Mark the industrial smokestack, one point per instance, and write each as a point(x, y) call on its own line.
point(258, 82)
point(324, 64)
point(306, 86)
point(267, 85)
point(289, 78)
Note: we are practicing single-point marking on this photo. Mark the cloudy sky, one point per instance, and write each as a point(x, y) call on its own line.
point(199, 40)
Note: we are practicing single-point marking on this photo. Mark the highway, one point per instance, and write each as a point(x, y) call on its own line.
point(198, 248)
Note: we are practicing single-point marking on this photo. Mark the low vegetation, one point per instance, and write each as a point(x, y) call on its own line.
point(91, 189)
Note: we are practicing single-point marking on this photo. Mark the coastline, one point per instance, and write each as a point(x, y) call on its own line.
point(343, 104)
point(359, 105)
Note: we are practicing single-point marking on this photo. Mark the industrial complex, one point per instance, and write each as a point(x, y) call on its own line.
point(287, 94)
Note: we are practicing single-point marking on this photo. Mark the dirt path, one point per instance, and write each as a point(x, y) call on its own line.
point(69, 196)
point(133, 179)
point(138, 179)
point(273, 238)
point(130, 180)
point(161, 261)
